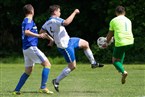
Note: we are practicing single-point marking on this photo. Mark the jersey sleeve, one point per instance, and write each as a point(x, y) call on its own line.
point(59, 21)
point(44, 27)
point(53, 25)
point(111, 26)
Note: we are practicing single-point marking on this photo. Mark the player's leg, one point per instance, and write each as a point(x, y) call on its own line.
point(85, 46)
point(124, 75)
point(45, 75)
point(22, 81)
point(118, 57)
point(69, 56)
point(118, 65)
point(39, 57)
point(66, 71)
point(28, 69)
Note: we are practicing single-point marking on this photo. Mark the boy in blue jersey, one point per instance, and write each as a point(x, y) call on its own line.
point(31, 53)
point(66, 45)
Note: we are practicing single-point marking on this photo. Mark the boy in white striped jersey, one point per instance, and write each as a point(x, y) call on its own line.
point(66, 45)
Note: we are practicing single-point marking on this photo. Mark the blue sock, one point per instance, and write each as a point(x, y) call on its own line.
point(45, 73)
point(22, 80)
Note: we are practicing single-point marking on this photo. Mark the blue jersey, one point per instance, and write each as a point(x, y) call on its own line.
point(28, 41)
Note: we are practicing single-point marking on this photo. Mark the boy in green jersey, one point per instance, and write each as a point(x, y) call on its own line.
point(121, 29)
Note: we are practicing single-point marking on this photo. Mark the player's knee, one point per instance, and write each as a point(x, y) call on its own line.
point(46, 64)
point(28, 70)
point(84, 44)
point(72, 66)
point(115, 60)
point(87, 44)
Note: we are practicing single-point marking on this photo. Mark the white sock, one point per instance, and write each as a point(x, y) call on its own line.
point(90, 56)
point(63, 74)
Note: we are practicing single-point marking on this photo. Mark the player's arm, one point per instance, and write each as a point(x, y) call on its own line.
point(110, 32)
point(29, 33)
point(71, 17)
point(109, 36)
point(48, 36)
point(51, 40)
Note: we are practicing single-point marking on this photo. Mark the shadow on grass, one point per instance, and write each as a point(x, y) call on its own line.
point(22, 92)
point(91, 92)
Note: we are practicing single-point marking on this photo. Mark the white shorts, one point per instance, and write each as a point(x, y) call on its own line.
point(33, 55)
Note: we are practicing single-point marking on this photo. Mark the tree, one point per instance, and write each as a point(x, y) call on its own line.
point(91, 23)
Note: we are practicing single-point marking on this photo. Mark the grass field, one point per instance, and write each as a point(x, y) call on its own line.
point(83, 82)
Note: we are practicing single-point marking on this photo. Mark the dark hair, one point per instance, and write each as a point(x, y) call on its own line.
point(120, 10)
point(52, 8)
point(28, 9)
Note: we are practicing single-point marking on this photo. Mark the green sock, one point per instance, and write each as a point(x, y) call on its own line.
point(118, 65)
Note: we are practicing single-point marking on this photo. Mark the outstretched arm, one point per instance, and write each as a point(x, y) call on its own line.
point(29, 33)
point(71, 17)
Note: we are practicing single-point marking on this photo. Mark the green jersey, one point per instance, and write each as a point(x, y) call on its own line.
point(122, 28)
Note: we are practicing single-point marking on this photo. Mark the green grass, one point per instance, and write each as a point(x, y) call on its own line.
point(83, 82)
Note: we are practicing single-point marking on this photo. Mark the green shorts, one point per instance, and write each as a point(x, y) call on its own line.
point(118, 52)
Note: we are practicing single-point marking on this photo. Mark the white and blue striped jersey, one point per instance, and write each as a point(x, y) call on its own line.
point(54, 26)
point(28, 41)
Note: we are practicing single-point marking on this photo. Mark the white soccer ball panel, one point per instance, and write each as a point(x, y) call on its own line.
point(101, 41)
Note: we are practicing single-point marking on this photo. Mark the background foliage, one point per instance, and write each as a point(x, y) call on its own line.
point(90, 24)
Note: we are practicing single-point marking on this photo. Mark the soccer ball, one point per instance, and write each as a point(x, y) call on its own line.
point(101, 41)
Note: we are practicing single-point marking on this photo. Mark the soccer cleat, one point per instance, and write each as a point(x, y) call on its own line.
point(55, 84)
point(45, 90)
point(96, 65)
point(16, 92)
point(123, 80)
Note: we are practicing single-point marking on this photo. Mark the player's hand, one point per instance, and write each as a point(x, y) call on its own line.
point(104, 46)
point(77, 11)
point(43, 35)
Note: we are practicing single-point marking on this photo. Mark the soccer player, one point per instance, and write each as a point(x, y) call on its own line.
point(55, 26)
point(121, 29)
point(31, 53)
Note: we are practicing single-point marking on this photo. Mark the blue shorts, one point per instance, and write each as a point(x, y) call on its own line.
point(69, 52)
